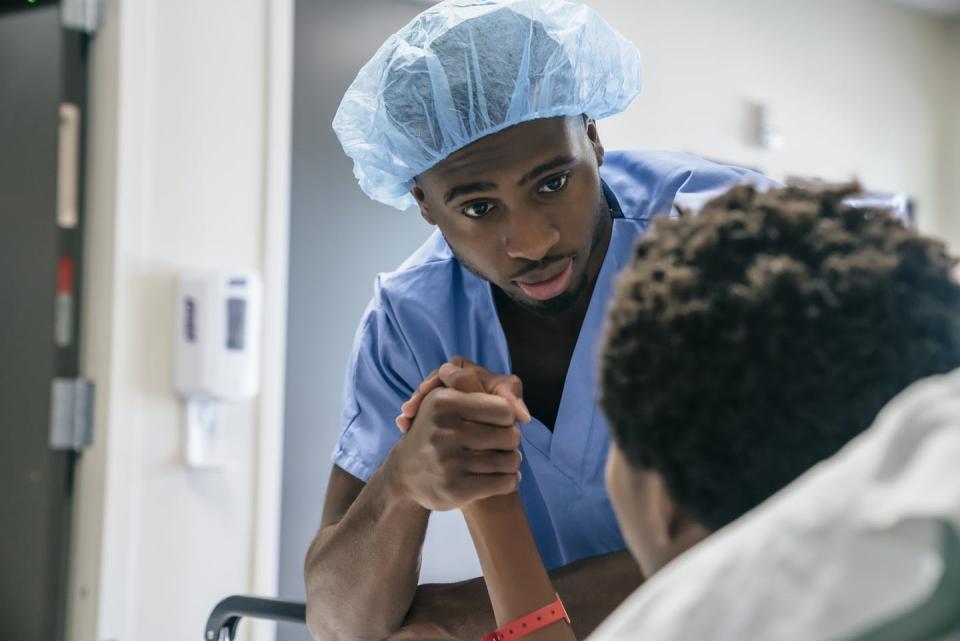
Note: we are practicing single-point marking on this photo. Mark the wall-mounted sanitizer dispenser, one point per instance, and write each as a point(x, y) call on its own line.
point(217, 354)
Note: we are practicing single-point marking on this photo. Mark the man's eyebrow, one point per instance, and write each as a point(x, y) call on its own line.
point(468, 188)
point(539, 170)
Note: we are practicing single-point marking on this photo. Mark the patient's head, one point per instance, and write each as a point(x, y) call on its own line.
point(749, 342)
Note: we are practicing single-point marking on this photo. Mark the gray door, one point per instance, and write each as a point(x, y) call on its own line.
point(41, 67)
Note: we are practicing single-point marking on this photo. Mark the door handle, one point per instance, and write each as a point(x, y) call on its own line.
point(68, 166)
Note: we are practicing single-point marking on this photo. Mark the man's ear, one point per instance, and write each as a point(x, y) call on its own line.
point(419, 196)
point(594, 136)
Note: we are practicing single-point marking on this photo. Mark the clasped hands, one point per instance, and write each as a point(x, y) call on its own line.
point(461, 439)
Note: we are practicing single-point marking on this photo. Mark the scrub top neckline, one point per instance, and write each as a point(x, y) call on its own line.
point(566, 445)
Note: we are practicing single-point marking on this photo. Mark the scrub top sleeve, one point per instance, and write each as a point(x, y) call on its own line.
point(703, 186)
point(381, 376)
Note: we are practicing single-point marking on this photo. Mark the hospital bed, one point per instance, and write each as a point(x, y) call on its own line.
point(225, 617)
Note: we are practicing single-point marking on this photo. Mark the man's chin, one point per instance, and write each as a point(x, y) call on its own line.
point(559, 304)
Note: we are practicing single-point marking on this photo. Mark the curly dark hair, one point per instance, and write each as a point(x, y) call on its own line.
point(749, 342)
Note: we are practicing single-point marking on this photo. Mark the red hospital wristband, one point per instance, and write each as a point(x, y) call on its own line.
point(530, 623)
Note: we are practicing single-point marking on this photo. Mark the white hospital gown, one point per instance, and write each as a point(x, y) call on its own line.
point(856, 543)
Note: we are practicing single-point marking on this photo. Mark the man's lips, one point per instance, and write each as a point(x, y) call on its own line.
point(548, 283)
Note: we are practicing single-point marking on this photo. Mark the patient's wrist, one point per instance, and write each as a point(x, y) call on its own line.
point(530, 623)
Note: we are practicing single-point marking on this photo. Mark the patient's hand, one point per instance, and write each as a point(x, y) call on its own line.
point(465, 376)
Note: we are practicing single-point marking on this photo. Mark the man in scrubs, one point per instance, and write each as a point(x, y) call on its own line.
point(483, 115)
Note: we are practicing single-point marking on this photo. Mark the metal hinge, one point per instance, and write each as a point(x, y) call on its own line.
point(71, 414)
point(82, 15)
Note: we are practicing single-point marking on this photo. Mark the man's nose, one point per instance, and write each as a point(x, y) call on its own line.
point(530, 235)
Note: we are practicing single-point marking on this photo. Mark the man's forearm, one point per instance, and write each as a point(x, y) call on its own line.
point(591, 589)
point(361, 573)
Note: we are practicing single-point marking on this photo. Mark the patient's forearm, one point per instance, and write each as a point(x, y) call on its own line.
point(515, 577)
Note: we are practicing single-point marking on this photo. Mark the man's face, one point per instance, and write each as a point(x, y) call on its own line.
point(524, 209)
point(655, 530)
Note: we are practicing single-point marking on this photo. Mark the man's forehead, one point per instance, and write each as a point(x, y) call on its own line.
point(518, 148)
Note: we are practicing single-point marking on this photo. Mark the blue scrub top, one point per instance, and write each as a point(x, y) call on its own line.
point(431, 309)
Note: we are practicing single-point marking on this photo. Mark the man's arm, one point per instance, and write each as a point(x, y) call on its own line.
point(362, 568)
point(591, 589)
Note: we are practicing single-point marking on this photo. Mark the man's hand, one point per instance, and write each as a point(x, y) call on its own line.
point(462, 444)
point(466, 376)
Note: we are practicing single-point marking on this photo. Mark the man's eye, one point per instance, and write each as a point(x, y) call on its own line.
point(477, 209)
point(554, 184)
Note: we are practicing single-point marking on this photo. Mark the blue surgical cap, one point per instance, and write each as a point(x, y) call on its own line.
point(464, 69)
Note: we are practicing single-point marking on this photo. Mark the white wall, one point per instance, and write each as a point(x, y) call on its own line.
point(181, 130)
point(949, 220)
point(856, 87)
